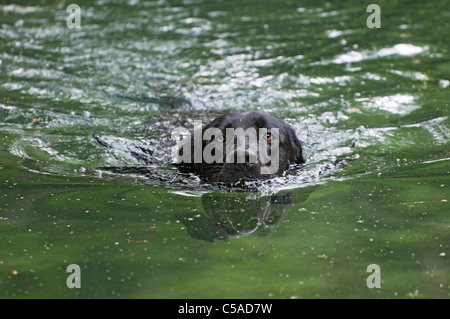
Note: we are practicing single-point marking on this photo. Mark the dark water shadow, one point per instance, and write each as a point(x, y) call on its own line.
point(234, 214)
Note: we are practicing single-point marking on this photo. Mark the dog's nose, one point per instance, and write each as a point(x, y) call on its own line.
point(248, 159)
point(245, 157)
point(249, 164)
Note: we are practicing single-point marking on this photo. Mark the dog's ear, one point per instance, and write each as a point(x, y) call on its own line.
point(296, 149)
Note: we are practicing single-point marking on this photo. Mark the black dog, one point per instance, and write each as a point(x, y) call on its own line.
point(273, 137)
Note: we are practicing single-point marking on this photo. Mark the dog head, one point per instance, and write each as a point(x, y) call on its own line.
point(246, 146)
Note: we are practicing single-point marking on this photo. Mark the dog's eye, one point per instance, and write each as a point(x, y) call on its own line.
point(220, 139)
point(268, 136)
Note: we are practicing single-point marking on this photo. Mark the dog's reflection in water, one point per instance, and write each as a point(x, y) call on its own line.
point(237, 214)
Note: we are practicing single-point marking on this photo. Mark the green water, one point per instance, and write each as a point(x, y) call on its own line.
point(371, 107)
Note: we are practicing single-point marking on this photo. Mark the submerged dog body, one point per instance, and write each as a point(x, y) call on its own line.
point(239, 144)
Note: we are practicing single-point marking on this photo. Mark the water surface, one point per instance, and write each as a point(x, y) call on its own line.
point(370, 106)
